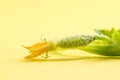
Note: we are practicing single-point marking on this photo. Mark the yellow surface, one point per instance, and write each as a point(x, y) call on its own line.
point(24, 22)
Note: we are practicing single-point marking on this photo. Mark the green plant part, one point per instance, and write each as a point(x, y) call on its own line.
point(106, 43)
point(109, 46)
point(75, 41)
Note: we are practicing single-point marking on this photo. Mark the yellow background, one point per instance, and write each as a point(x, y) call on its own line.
point(24, 22)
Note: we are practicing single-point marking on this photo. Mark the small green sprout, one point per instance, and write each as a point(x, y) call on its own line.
point(106, 43)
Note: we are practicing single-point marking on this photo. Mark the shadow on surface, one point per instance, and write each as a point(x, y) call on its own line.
point(72, 59)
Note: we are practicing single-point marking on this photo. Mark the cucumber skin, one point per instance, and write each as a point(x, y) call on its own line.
point(75, 41)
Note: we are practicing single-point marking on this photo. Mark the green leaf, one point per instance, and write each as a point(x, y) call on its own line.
point(107, 33)
point(108, 50)
point(108, 44)
point(104, 39)
point(116, 36)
